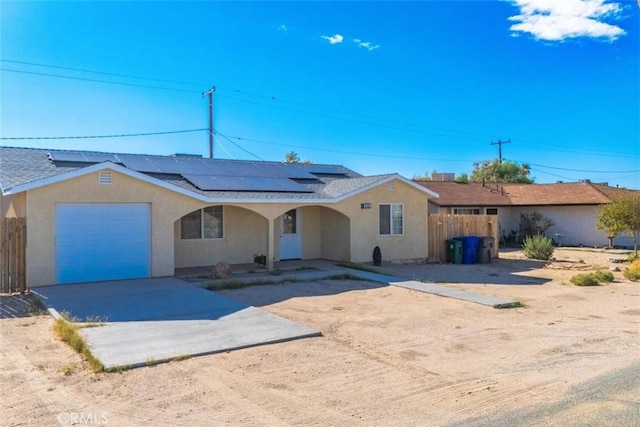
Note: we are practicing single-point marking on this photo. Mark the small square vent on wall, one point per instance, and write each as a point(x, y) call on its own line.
point(105, 178)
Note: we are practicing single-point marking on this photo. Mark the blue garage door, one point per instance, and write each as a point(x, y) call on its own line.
point(97, 242)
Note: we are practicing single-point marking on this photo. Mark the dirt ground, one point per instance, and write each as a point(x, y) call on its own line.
point(388, 355)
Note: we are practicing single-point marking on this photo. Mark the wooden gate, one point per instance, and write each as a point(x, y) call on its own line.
point(13, 241)
point(443, 227)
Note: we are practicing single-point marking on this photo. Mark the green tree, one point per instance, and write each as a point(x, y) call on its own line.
point(622, 215)
point(495, 171)
point(463, 178)
point(292, 157)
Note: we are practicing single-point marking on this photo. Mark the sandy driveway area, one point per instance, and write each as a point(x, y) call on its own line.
point(388, 356)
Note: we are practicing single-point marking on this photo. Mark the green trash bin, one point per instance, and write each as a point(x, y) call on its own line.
point(454, 251)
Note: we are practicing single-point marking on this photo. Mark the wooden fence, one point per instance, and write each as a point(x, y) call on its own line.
point(13, 242)
point(443, 227)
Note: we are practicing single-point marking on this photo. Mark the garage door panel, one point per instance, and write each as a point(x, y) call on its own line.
point(102, 242)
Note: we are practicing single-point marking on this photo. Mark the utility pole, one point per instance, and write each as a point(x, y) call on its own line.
point(499, 144)
point(211, 130)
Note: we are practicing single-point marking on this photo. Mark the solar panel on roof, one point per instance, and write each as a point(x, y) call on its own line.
point(276, 184)
point(294, 172)
point(239, 183)
point(150, 164)
point(199, 166)
point(323, 169)
point(82, 157)
point(240, 168)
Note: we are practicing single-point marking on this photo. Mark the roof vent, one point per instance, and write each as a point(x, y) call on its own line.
point(105, 178)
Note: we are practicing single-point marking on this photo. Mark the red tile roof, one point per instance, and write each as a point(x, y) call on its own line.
point(492, 194)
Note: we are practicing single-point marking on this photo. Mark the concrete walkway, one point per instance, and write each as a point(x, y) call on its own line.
point(326, 269)
point(153, 320)
point(435, 289)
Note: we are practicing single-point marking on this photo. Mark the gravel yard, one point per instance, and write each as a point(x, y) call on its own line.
point(388, 356)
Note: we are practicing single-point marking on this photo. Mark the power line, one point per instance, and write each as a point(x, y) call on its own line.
point(580, 151)
point(97, 80)
point(552, 174)
point(377, 124)
point(130, 76)
point(228, 138)
point(328, 150)
point(272, 98)
point(366, 116)
point(239, 146)
point(101, 136)
point(376, 120)
point(575, 170)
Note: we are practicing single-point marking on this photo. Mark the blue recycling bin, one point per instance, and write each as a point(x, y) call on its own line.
point(469, 249)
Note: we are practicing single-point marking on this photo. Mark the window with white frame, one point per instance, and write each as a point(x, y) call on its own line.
point(391, 219)
point(202, 224)
point(466, 211)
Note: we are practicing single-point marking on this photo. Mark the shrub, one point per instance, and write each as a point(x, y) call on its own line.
point(633, 272)
point(592, 279)
point(585, 280)
point(538, 247)
point(68, 332)
point(532, 224)
point(603, 276)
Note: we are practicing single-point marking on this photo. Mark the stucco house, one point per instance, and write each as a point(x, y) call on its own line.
point(101, 216)
point(571, 206)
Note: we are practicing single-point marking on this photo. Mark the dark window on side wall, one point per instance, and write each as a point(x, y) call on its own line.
point(204, 223)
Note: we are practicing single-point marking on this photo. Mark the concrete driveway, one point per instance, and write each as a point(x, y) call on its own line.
point(154, 320)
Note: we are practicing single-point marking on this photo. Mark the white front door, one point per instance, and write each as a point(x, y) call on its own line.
point(290, 235)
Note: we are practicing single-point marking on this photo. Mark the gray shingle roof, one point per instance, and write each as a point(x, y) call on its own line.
point(20, 166)
point(24, 165)
point(340, 187)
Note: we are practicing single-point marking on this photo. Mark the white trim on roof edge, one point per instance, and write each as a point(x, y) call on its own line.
point(159, 183)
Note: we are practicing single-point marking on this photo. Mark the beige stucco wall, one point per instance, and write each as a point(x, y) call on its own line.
point(341, 231)
point(13, 205)
point(362, 226)
point(244, 235)
point(166, 207)
point(311, 222)
point(365, 234)
point(336, 232)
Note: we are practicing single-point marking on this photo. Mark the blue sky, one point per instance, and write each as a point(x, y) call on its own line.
point(380, 87)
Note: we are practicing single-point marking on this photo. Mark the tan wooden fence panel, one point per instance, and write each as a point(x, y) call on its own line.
point(13, 241)
point(443, 227)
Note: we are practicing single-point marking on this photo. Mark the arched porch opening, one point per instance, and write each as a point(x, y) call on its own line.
point(323, 233)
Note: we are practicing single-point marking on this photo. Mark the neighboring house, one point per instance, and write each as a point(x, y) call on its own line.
point(99, 216)
point(571, 206)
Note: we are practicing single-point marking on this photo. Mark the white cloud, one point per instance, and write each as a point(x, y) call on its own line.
point(556, 20)
point(367, 45)
point(335, 39)
point(283, 28)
